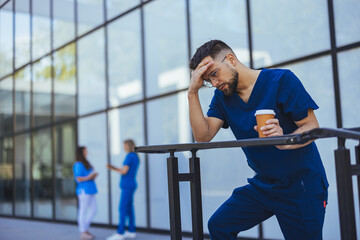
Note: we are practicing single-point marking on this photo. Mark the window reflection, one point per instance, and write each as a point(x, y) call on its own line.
point(6, 175)
point(276, 39)
point(91, 72)
point(92, 135)
point(166, 56)
point(222, 13)
point(347, 20)
point(63, 22)
point(116, 7)
point(42, 72)
point(22, 175)
point(6, 106)
point(66, 201)
point(127, 123)
point(42, 174)
point(22, 32)
point(168, 123)
point(90, 14)
point(6, 39)
point(65, 83)
point(40, 28)
point(125, 68)
point(22, 98)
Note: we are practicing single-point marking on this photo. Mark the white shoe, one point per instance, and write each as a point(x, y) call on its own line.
point(116, 236)
point(130, 234)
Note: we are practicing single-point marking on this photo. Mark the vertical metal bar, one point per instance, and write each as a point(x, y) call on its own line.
point(248, 14)
point(146, 140)
point(174, 197)
point(357, 161)
point(31, 119)
point(196, 203)
point(335, 64)
point(345, 192)
point(108, 140)
point(53, 129)
point(14, 110)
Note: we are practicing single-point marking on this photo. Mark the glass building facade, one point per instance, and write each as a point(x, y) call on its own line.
point(95, 72)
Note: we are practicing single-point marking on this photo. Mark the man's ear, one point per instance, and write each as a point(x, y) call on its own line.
point(232, 59)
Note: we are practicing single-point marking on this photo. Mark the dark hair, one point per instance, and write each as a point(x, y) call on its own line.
point(211, 48)
point(81, 158)
point(131, 144)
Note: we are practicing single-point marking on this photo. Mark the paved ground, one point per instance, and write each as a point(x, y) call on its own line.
point(17, 229)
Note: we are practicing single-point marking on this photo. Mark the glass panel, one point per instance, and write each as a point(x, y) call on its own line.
point(166, 56)
point(22, 32)
point(221, 12)
point(276, 39)
point(40, 28)
point(22, 176)
point(91, 72)
point(90, 14)
point(65, 147)
point(6, 175)
point(6, 39)
point(65, 83)
point(42, 71)
point(22, 98)
point(125, 68)
point(349, 71)
point(168, 123)
point(316, 76)
point(349, 62)
point(64, 22)
point(92, 134)
point(116, 7)
point(42, 174)
point(219, 178)
point(347, 21)
point(6, 106)
point(127, 123)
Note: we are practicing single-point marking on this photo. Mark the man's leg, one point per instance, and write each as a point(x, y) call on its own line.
point(302, 218)
point(243, 210)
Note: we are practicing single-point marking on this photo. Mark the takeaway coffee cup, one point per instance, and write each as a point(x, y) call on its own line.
point(261, 117)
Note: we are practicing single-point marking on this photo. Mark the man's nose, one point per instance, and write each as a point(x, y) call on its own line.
point(215, 82)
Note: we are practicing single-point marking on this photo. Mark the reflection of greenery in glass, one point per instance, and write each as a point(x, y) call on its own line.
point(42, 155)
point(64, 64)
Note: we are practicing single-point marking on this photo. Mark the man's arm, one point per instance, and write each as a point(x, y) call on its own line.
point(273, 128)
point(203, 128)
point(124, 170)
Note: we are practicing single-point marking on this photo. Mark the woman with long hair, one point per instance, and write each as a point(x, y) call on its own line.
point(85, 190)
point(128, 186)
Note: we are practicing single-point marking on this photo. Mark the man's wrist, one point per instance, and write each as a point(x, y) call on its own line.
point(192, 93)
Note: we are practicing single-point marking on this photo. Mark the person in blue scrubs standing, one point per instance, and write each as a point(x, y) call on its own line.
point(86, 190)
point(290, 180)
point(128, 186)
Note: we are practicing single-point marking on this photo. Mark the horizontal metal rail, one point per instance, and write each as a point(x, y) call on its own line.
point(269, 141)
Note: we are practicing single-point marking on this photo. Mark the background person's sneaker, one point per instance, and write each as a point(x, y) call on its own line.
point(130, 234)
point(116, 236)
point(86, 236)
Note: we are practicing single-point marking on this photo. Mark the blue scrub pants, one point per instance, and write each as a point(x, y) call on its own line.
point(126, 210)
point(300, 218)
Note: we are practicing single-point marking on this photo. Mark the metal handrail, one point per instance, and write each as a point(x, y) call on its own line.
point(344, 172)
point(253, 142)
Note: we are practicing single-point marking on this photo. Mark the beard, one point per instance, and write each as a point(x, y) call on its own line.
point(232, 84)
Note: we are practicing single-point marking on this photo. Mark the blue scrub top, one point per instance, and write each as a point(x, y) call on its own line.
point(128, 181)
point(88, 187)
point(289, 172)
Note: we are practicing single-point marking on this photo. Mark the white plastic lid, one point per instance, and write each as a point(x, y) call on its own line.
point(265, 111)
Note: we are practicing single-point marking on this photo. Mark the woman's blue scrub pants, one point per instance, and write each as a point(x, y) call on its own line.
point(126, 210)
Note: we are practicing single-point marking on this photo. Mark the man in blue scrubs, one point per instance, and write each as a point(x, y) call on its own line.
point(290, 181)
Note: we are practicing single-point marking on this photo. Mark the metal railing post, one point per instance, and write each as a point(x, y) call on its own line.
point(174, 197)
point(196, 203)
point(345, 192)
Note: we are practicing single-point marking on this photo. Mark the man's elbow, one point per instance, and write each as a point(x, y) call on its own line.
point(202, 138)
